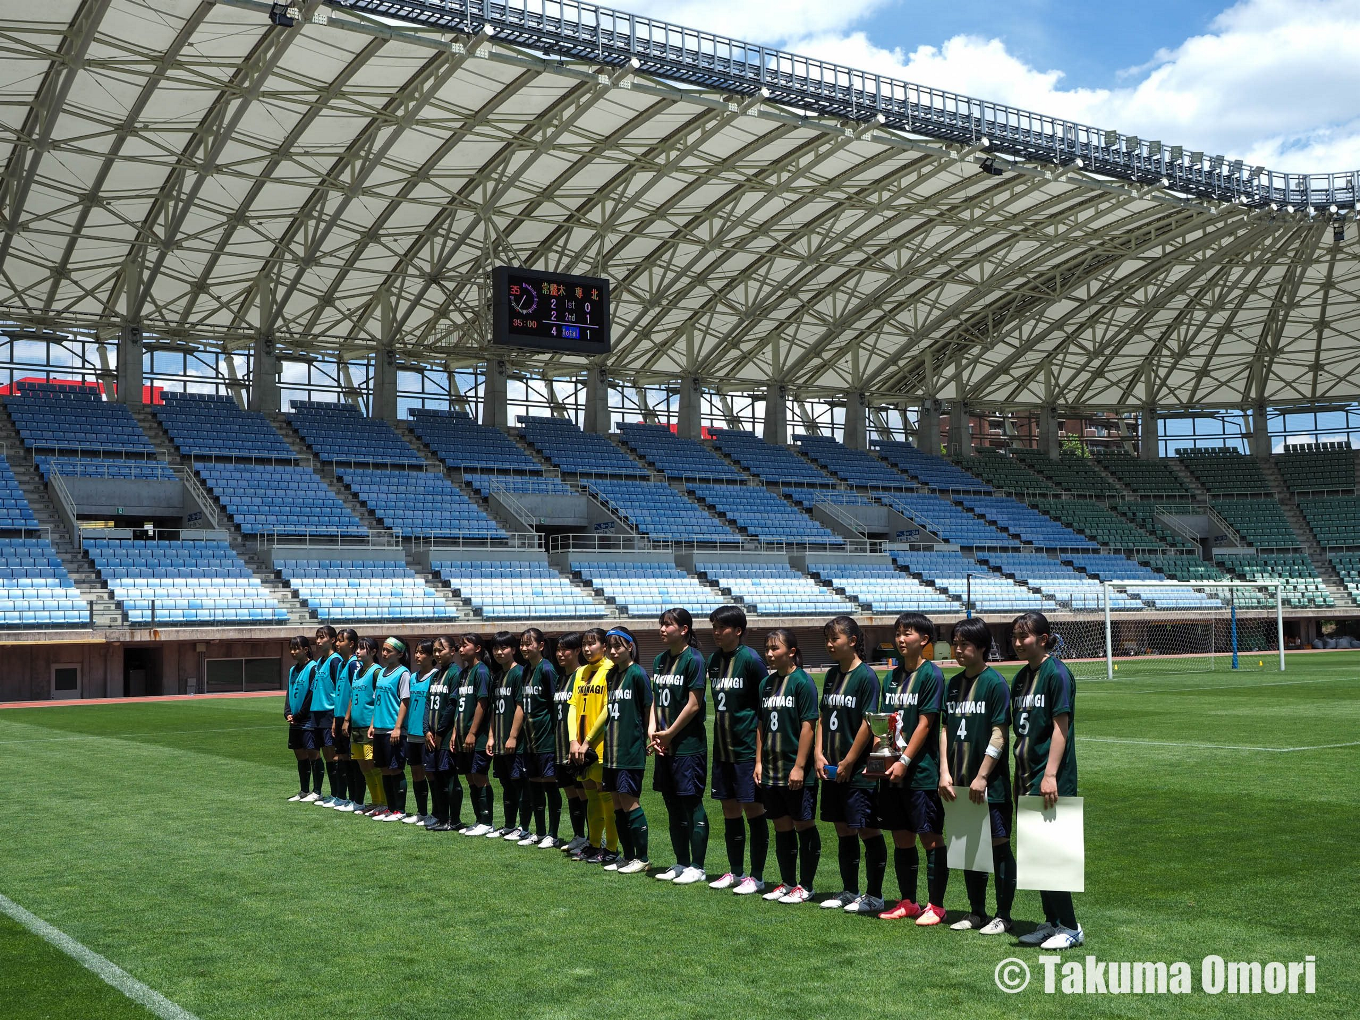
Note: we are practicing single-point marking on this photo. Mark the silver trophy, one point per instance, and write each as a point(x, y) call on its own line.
point(884, 727)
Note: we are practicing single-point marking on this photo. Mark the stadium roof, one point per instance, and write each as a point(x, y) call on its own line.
point(762, 216)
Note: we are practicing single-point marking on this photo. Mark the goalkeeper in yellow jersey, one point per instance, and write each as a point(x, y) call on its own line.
point(591, 697)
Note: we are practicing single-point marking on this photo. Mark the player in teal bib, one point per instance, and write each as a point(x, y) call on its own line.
point(297, 704)
point(328, 663)
point(360, 718)
point(974, 726)
point(1044, 717)
point(391, 705)
point(346, 642)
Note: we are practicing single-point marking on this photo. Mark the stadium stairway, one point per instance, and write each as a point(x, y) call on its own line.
point(1189, 481)
point(1322, 564)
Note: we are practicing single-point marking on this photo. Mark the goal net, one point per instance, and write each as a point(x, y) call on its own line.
point(1144, 628)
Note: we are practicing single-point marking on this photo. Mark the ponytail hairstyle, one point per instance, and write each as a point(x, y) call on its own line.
point(403, 652)
point(477, 641)
point(548, 644)
point(349, 634)
point(328, 630)
point(789, 640)
point(1037, 625)
point(846, 625)
point(680, 617)
point(426, 647)
point(623, 632)
point(369, 645)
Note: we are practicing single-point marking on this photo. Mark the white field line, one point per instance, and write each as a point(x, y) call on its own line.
point(107, 971)
point(1211, 747)
point(1206, 687)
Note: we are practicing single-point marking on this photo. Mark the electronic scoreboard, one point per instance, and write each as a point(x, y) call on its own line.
point(549, 311)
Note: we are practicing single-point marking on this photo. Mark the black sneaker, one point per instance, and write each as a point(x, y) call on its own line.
point(587, 853)
point(607, 857)
point(441, 827)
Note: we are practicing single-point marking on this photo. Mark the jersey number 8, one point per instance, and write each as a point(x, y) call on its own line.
point(774, 721)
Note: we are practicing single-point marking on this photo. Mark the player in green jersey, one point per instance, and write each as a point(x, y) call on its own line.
point(538, 739)
point(470, 728)
point(973, 734)
point(346, 641)
point(788, 783)
point(422, 677)
point(624, 725)
point(909, 803)
point(735, 673)
point(1043, 714)
point(849, 691)
point(502, 743)
point(297, 710)
point(680, 744)
point(438, 757)
point(566, 720)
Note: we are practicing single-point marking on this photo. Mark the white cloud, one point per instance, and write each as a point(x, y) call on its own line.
point(1273, 81)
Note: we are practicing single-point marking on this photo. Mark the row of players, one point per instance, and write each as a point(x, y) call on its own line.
point(579, 715)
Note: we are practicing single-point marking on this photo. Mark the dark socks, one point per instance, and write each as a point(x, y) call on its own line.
point(976, 884)
point(1058, 909)
point(875, 864)
point(510, 803)
point(526, 805)
point(576, 809)
point(481, 803)
point(389, 785)
point(786, 856)
point(698, 830)
point(439, 796)
point(537, 797)
point(937, 875)
point(422, 795)
point(734, 834)
point(847, 851)
point(554, 798)
point(1004, 859)
point(333, 778)
point(304, 774)
point(637, 833)
point(318, 770)
point(760, 846)
point(678, 815)
point(625, 835)
point(907, 864)
point(401, 793)
point(809, 854)
point(356, 781)
point(455, 808)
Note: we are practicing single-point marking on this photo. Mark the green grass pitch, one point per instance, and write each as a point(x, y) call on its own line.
point(158, 835)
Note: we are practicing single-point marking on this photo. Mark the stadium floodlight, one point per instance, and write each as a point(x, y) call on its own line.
point(284, 16)
point(1332, 208)
point(1274, 207)
point(1289, 208)
point(989, 166)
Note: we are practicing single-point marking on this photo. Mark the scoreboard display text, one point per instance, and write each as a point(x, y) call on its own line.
point(549, 311)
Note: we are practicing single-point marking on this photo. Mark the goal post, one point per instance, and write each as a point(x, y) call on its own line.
point(1181, 626)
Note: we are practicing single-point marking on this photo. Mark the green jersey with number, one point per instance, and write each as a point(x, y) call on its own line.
point(536, 693)
point(735, 677)
point(563, 716)
point(505, 693)
point(786, 702)
point(912, 696)
point(972, 706)
point(474, 687)
point(1037, 698)
point(674, 679)
point(845, 699)
point(629, 707)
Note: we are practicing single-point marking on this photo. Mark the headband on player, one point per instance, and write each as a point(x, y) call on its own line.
point(622, 634)
point(396, 645)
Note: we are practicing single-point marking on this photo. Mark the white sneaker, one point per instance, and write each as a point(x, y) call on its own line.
point(310, 798)
point(413, 819)
point(529, 840)
point(670, 874)
point(838, 902)
point(393, 816)
point(973, 922)
point(1066, 938)
point(776, 893)
point(796, 895)
point(295, 798)
point(491, 833)
point(547, 843)
point(513, 835)
point(748, 885)
point(345, 806)
point(726, 882)
point(480, 829)
point(1039, 935)
point(633, 867)
point(690, 875)
point(614, 865)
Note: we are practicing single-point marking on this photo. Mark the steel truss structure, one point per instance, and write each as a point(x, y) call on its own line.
point(346, 183)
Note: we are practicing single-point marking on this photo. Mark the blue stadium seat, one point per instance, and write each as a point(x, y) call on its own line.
point(35, 590)
point(880, 587)
point(770, 463)
point(773, 589)
point(853, 466)
point(647, 588)
point(658, 511)
point(964, 578)
point(77, 467)
point(577, 452)
point(948, 520)
point(516, 588)
point(341, 433)
point(214, 425)
point(15, 513)
point(460, 442)
point(350, 588)
point(1026, 523)
point(764, 515)
point(676, 457)
point(278, 499)
point(52, 417)
point(419, 503)
point(931, 470)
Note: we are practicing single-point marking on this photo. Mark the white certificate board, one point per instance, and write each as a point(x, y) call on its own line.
point(1050, 844)
point(968, 833)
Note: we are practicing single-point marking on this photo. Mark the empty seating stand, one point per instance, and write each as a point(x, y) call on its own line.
point(1303, 589)
point(1260, 521)
point(515, 588)
point(882, 588)
point(419, 503)
point(949, 521)
point(808, 498)
point(1098, 523)
point(647, 588)
point(77, 467)
point(341, 588)
point(965, 579)
point(656, 510)
point(1070, 472)
point(35, 590)
point(675, 457)
point(1224, 471)
point(1059, 582)
point(342, 434)
point(1335, 520)
point(279, 499)
point(773, 589)
point(1025, 522)
point(1004, 472)
point(1318, 468)
point(1347, 566)
point(776, 465)
point(15, 513)
point(855, 467)
point(161, 581)
point(763, 515)
point(1118, 568)
point(75, 420)
point(1154, 479)
point(931, 470)
point(575, 452)
point(460, 443)
point(214, 425)
point(484, 485)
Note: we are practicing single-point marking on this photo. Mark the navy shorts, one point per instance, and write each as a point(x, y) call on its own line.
point(388, 753)
point(683, 775)
point(321, 721)
point(415, 753)
point(1001, 815)
point(302, 738)
point(781, 802)
point(567, 779)
point(539, 764)
point(903, 810)
point(340, 740)
point(850, 805)
point(441, 759)
point(734, 780)
point(628, 781)
point(473, 763)
point(506, 766)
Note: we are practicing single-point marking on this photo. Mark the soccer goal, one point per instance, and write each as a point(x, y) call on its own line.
point(1159, 627)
